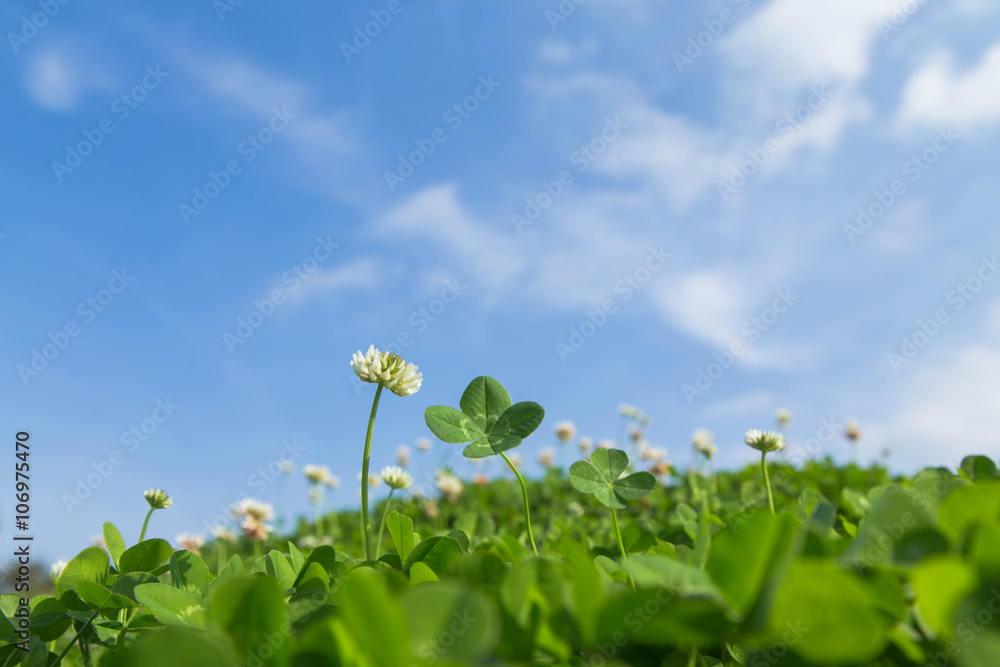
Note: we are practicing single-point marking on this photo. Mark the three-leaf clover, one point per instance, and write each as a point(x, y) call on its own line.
point(487, 420)
point(601, 477)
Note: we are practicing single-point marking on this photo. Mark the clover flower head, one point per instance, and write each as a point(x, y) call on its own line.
point(632, 412)
point(702, 441)
point(565, 430)
point(223, 534)
point(431, 509)
point(308, 542)
point(387, 369)
point(784, 416)
point(547, 456)
point(256, 529)
point(606, 444)
point(449, 485)
point(481, 479)
point(649, 453)
point(396, 478)
point(661, 468)
point(636, 435)
point(158, 499)
point(331, 480)
point(286, 466)
point(373, 479)
point(253, 509)
point(516, 460)
point(57, 568)
point(586, 444)
point(98, 541)
point(193, 542)
point(316, 474)
point(575, 509)
point(424, 444)
point(851, 430)
point(765, 441)
point(403, 456)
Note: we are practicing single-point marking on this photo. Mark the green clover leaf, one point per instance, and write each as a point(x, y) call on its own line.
point(487, 419)
point(601, 478)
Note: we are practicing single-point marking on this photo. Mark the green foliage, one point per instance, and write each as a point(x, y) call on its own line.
point(487, 420)
point(855, 568)
point(601, 477)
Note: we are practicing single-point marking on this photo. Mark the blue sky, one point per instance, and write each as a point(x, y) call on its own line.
point(593, 203)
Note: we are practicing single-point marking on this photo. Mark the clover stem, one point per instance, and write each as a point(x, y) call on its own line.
point(618, 532)
point(693, 660)
point(524, 495)
point(222, 554)
point(364, 477)
point(145, 524)
point(73, 641)
point(381, 529)
point(318, 516)
point(767, 480)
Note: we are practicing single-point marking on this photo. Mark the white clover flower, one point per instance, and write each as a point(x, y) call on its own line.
point(387, 369)
point(649, 453)
point(765, 441)
point(331, 480)
point(632, 412)
point(851, 430)
point(424, 444)
point(565, 431)
point(251, 508)
point(396, 478)
point(481, 479)
point(516, 460)
point(57, 568)
point(575, 509)
point(373, 479)
point(403, 456)
point(316, 474)
point(98, 541)
point(449, 485)
point(286, 466)
point(702, 441)
point(308, 542)
point(256, 529)
point(606, 444)
point(193, 542)
point(784, 416)
point(158, 499)
point(547, 456)
point(223, 534)
point(586, 444)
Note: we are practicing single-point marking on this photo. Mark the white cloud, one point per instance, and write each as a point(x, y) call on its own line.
point(939, 94)
point(57, 80)
point(358, 273)
point(436, 215)
point(945, 411)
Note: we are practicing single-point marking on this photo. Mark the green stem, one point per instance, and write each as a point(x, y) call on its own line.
point(381, 529)
point(767, 480)
point(693, 660)
point(7, 661)
point(364, 477)
point(145, 524)
point(524, 495)
point(711, 470)
point(618, 532)
point(318, 516)
point(73, 641)
point(221, 548)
